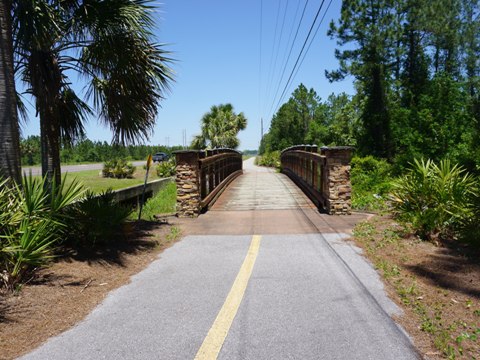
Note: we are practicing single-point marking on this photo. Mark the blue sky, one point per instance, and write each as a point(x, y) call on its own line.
point(227, 53)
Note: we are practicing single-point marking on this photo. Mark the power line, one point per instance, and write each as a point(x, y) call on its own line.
point(289, 54)
point(300, 54)
point(273, 50)
point(278, 47)
point(311, 41)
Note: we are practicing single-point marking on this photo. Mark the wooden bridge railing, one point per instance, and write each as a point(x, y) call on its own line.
point(324, 177)
point(202, 175)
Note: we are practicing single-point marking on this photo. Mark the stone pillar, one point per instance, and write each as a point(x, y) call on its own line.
point(336, 177)
point(187, 179)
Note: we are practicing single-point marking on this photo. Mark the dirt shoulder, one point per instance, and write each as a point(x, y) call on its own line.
point(438, 287)
point(65, 292)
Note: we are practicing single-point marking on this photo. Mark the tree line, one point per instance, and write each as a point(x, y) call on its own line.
point(415, 66)
point(87, 150)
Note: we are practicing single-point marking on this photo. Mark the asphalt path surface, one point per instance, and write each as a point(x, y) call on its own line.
point(37, 170)
point(268, 296)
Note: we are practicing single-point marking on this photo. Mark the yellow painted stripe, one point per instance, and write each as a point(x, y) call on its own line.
point(218, 332)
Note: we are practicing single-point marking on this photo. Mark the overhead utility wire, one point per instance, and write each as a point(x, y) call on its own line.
point(311, 41)
point(278, 46)
point(273, 51)
point(289, 54)
point(300, 54)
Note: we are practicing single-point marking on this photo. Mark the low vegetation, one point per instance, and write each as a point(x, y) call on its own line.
point(166, 168)
point(96, 219)
point(269, 159)
point(371, 183)
point(426, 249)
point(162, 203)
point(118, 169)
point(94, 181)
point(436, 199)
point(33, 223)
point(436, 286)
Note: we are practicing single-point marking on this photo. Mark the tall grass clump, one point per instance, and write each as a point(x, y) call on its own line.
point(436, 199)
point(371, 183)
point(32, 222)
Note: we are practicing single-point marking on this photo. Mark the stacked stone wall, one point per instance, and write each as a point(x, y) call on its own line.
point(338, 187)
point(339, 190)
point(188, 195)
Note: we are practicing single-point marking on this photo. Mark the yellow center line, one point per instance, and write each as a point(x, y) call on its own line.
point(218, 332)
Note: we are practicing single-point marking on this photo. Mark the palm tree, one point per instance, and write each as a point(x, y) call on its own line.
point(9, 132)
point(220, 128)
point(108, 43)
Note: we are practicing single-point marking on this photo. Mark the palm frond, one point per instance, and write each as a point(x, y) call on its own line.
point(131, 77)
point(73, 113)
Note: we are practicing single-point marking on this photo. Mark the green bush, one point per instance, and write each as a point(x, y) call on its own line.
point(270, 159)
point(98, 219)
point(166, 168)
point(436, 199)
point(118, 168)
point(32, 222)
point(371, 183)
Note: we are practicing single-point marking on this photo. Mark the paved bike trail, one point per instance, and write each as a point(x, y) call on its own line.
point(289, 287)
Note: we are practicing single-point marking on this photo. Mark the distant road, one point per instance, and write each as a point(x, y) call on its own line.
point(37, 170)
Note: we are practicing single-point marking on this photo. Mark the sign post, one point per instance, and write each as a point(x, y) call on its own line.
point(149, 163)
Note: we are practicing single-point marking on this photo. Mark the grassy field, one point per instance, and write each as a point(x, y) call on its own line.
point(93, 180)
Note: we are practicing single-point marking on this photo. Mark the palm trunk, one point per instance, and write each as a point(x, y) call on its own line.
point(50, 148)
point(9, 131)
point(46, 87)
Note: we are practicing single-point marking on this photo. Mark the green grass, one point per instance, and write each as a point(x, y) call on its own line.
point(93, 180)
point(162, 203)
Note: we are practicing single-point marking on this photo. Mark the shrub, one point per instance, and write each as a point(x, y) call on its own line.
point(371, 183)
point(32, 222)
point(436, 199)
point(118, 168)
point(166, 168)
point(270, 159)
point(98, 219)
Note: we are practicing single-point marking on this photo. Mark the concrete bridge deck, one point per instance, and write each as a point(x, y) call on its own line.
point(294, 290)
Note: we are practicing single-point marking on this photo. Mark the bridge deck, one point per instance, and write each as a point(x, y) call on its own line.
point(262, 201)
point(262, 189)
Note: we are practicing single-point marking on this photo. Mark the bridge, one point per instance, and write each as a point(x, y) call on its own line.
point(264, 271)
point(323, 176)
